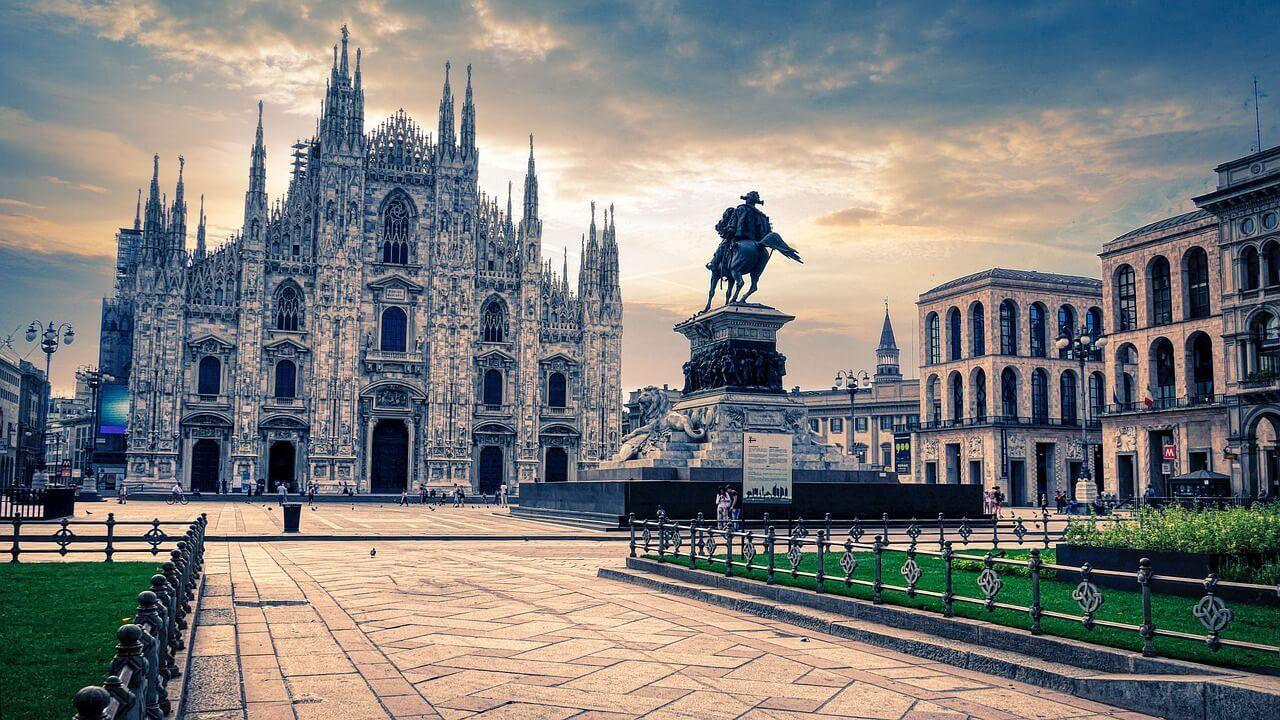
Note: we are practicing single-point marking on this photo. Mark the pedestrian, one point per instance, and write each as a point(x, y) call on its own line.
point(1059, 500)
point(1044, 502)
point(422, 494)
point(404, 497)
point(998, 495)
point(502, 495)
point(735, 509)
point(283, 492)
point(462, 496)
point(122, 494)
point(722, 507)
point(986, 502)
point(312, 487)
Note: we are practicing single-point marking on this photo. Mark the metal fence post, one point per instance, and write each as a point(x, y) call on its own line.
point(1148, 629)
point(877, 588)
point(948, 596)
point(995, 533)
point(694, 528)
point(942, 532)
point(884, 522)
point(146, 618)
point(631, 529)
point(91, 703)
point(769, 540)
point(662, 537)
point(160, 587)
point(826, 523)
point(132, 698)
point(16, 550)
point(822, 559)
point(1035, 610)
point(170, 570)
point(110, 549)
point(728, 550)
point(1044, 518)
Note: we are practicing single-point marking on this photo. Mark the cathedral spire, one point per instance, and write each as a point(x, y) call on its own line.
point(531, 187)
point(179, 211)
point(445, 141)
point(255, 199)
point(137, 213)
point(154, 222)
point(342, 70)
point(200, 248)
point(468, 120)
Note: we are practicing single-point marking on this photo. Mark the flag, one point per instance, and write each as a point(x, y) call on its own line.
point(1148, 400)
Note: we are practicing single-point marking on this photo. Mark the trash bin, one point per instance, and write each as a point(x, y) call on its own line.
point(292, 515)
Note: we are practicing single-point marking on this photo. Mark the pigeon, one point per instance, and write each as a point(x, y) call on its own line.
point(373, 551)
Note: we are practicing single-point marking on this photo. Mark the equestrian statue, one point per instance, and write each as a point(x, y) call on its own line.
point(747, 241)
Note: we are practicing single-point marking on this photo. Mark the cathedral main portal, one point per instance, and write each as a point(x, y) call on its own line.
point(389, 460)
point(280, 466)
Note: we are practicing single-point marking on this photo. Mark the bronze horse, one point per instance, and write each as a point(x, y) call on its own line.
point(748, 257)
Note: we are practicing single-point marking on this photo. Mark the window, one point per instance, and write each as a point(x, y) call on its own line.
point(933, 400)
point(1097, 400)
point(1271, 253)
point(1127, 297)
point(1067, 392)
point(1036, 315)
point(1009, 394)
point(395, 336)
point(1249, 268)
point(860, 424)
point(493, 321)
point(978, 323)
point(1163, 371)
point(492, 387)
point(954, 335)
point(209, 381)
point(1266, 344)
point(1161, 298)
point(837, 425)
point(1197, 282)
point(1066, 326)
point(1126, 386)
point(395, 232)
point(286, 379)
point(1201, 356)
point(1093, 323)
point(979, 385)
point(933, 340)
point(1008, 328)
point(957, 398)
point(556, 390)
point(886, 422)
point(814, 425)
point(289, 307)
point(1039, 396)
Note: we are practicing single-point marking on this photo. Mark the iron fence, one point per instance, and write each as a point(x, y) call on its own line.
point(108, 537)
point(136, 686)
point(773, 552)
point(37, 503)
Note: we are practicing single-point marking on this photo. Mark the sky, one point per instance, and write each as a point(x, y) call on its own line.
point(896, 145)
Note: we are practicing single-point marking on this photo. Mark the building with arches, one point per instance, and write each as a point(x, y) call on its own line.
point(999, 403)
point(382, 325)
point(1165, 361)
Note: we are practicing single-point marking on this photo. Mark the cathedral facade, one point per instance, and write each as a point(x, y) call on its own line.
point(381, 326)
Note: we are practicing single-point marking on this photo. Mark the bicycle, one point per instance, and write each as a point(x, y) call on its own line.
point(177, 499)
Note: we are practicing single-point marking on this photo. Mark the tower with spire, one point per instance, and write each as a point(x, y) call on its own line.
point(887, 369)
point(381, 324)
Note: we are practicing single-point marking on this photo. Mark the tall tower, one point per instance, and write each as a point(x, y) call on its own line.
point(887, 352)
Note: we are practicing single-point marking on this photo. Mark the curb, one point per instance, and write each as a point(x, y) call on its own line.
point(1169, 688)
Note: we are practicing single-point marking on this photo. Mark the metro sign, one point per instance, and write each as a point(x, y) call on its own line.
point(1170, 453)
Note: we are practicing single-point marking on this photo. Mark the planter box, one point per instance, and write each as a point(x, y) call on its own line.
point(1172, 564)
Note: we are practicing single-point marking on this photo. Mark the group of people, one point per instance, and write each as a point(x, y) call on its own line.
point(457, 495)
point(728, 508)
point(993, 501)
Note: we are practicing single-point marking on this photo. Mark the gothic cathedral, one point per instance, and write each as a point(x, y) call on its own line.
point(383, 325)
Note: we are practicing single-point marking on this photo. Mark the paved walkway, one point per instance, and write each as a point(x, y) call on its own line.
point(318, 630)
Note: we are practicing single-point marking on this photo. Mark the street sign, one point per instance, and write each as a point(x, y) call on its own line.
point(766, 467)
point(1166, 468)
point(902, 453)
point(1170, 453)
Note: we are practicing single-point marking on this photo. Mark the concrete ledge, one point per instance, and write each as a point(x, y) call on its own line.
point(1169, 688)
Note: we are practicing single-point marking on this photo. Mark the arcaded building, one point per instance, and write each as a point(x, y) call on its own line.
point(1000, 404)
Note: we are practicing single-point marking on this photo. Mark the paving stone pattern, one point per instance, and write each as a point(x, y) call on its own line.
point(318, 630)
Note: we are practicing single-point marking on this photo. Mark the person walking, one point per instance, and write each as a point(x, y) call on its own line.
point(722, 507)
point(502, 495)
point(283, 491)
point(404, 497)
point(422, 494)
point(122, 493)
point(735, 510)
point(312, 487)
point(998, 495)
point(462, 496)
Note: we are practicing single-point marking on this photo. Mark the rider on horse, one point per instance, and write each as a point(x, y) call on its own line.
point(745, 222)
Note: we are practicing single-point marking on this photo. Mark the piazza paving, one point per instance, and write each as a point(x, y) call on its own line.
point(461, 628)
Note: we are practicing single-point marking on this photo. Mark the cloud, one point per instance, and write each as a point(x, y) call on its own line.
point(848, 217)
point(520, 40)
point(12, 202)
point(76, 185)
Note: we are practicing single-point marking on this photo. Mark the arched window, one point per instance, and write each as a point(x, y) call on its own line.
point(1067, 390)
point(979, 389)
point(1126, 298)
point(1097, 398)
point(395, 335)
point(1066, 326)
point(395, 232)
point(493, 321)
point(955, 330)
point(933, 400)
point(1249, 268)
point(1126, 385)
point(288, 307)
point(978, 328)
point(1093, 324)
point(1008, 328)
point(1265, 341)
point(209, 381)
point(1037, 322)
point(1161, 292)
point(1200, 358)
point(492, 387)
point(1162, 369)
point(933, 339)
point(957, 398)
point(1009, 394)
point(1196, 280)
point(1039, 396)
point(1271, 253)
point(286, 379)
point(556, 390)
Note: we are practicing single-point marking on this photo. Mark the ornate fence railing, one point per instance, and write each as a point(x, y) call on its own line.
point(781, 551)
point(136, 686)
point(108, 537)
point(37, 503)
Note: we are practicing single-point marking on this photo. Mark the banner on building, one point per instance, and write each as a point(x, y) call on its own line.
point(902, 453)
point(766, 467)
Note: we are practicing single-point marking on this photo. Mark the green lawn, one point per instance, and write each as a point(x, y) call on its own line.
point(57, 630)
point(1251, 622)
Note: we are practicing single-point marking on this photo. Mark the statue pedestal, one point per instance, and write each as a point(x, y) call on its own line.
point(1086, 491)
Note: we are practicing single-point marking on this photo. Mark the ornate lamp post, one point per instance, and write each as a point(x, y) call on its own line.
point(49, 345)
point(93, 378)
point(1079, 342)
point(852, 380)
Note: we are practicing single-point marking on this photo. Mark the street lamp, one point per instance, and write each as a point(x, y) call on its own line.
point(49, 345)
point(1079, 342)
point(93, 378)
point(852, 380)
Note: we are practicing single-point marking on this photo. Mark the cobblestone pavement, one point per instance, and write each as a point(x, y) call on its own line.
point(231, 519)
point(318, 630)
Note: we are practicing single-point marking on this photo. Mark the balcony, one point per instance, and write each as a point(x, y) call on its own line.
point(208, 402)
point(1004, 421)
point(487, 410)
point(1164, 404)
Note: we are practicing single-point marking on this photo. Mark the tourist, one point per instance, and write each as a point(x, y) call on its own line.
point(176, 492)
point(122, 494)
point(462, 496)
point(1044, 502)
point(283, 491)
point(312, 487)
point(735, 509)
point(502, 495)
point(422, 494)
point(1059, 500)
point(404, 498)
point(986, 502)
point(998, 496)
point(722, 507)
